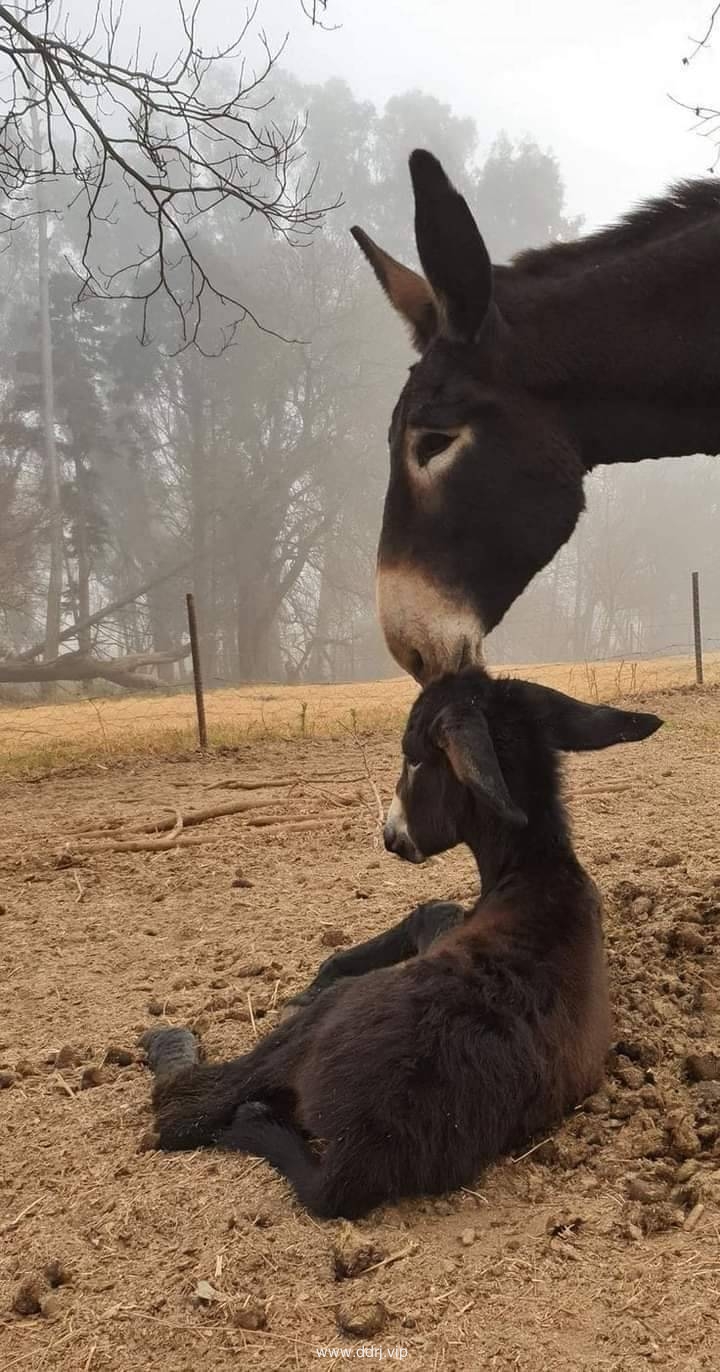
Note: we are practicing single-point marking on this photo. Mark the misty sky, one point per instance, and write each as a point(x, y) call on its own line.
point(592, 82)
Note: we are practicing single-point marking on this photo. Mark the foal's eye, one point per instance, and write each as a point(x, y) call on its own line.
point(429, 445)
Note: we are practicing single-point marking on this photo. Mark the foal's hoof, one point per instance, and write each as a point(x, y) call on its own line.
point(169, 1050)
point(248, 1129)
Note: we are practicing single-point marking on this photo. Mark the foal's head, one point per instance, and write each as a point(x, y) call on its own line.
point(479, 753)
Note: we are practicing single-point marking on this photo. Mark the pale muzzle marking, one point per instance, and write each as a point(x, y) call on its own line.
point(426, 629)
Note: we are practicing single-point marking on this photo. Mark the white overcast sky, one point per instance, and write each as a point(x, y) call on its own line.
point(590, 81)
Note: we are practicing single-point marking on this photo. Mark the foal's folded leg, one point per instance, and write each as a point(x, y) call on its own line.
point(347, 1182)
point(194, 1101)
point(405, 940)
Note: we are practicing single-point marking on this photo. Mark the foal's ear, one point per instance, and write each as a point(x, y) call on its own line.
point(575, 727)
point(406, 290)
point(451, 248)
point(465, 739)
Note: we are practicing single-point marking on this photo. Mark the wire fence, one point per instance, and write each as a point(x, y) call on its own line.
point(103, 728)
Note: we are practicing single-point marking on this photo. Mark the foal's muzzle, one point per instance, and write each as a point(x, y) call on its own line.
point(399, 842)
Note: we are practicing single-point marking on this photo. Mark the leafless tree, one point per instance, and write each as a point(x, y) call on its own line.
point(707, 116)
point(176, 138)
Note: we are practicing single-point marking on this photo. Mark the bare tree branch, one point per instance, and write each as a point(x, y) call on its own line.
point(707, 125)
point(122, 671)
point(105, 611)
point(707, 117)
point(178, 147)
point(311, 9)
point(700, 43)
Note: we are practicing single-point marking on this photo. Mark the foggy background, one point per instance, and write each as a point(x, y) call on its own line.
point(259, 471)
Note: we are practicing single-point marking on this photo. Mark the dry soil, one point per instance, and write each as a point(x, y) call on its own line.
point(599, 1249)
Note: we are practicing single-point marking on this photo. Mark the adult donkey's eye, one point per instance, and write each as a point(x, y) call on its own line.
point(431, 444)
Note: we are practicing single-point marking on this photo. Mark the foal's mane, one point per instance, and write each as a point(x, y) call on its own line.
point(683, 207)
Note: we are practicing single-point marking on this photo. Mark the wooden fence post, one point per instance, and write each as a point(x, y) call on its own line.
point(696, 628)
point(197, 670)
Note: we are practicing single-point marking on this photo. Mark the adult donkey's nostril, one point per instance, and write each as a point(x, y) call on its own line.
point(416, 665)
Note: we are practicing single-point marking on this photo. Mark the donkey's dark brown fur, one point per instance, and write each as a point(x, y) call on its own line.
point(598, 351)
point(415, 1077)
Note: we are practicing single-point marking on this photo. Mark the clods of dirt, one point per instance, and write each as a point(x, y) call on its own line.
point(25, 1068)
point(119, 1057)
point(94, 1076)
point(37, 1293)
point(335, 938)
point(353, 1252)
point(253, 1315)
point(57, 1273)
point(683, 1141)
point(703, 1067)
point(647, 1190)
point(70, 1056)
point(654, 1218)
point(362, 1318)
point(28, 1296)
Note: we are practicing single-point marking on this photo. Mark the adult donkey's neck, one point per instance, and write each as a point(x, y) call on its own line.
point(623, 337)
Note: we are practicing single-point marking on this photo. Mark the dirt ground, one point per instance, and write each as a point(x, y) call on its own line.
point(599, 1249)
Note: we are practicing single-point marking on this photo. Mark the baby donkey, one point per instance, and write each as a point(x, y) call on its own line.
point(416, 1076)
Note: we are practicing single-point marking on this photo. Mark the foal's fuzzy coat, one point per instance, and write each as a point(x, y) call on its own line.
point(414, 1077)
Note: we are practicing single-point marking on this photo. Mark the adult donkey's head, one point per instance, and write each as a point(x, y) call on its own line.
point(485, 482)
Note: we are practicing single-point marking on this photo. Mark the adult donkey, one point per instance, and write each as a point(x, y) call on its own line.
point(602, 350)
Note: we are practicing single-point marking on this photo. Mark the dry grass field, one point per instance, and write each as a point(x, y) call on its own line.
point(37, 738)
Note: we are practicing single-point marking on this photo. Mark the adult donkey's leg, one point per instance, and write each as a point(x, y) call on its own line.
point(405, 940)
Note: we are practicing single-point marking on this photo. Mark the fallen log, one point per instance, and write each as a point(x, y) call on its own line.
point(76, 666)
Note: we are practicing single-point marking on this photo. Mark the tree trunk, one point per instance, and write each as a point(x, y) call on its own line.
point(161, 602)
point(578, 622)
point(52, 467)
point(122, 671)
point(83, 561)
point(320, 667)
point(200, 496)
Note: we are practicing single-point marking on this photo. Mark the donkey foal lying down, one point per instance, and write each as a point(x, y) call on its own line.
point(416, 1076)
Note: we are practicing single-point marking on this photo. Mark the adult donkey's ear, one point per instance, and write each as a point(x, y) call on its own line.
point(407, 290)
point(451, 248)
